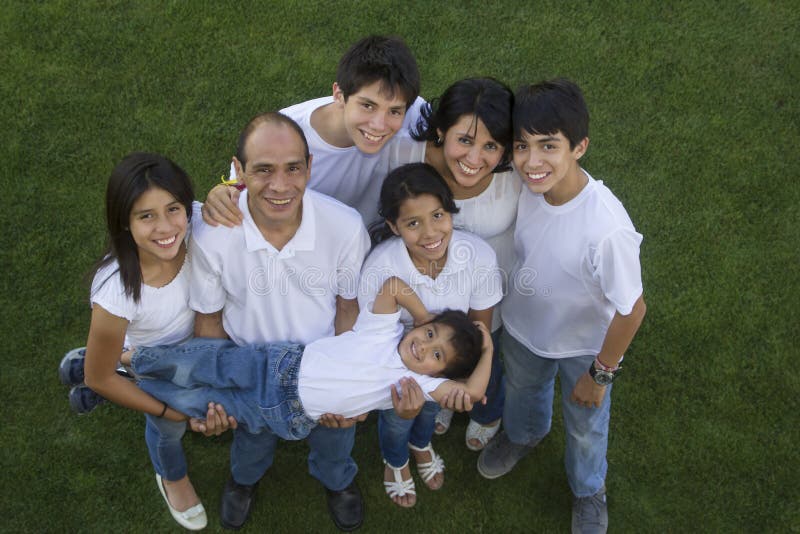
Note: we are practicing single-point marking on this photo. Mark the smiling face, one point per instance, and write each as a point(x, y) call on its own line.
point(371, 116)
point(470, 152)
point(158, 225)
point(276, 174)
point(548, 165)
point(425, 228)
point(426, 349)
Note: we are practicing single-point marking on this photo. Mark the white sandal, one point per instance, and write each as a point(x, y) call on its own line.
point(481, 433)
point(428, 470)
point(192, 519)
point(443, 419)
point(399, 487)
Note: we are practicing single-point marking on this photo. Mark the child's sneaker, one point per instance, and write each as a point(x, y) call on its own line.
point(82, 399)
point(590, 514)
point(501, 455)
point(70, 370)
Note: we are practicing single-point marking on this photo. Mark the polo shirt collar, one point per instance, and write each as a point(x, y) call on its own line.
point(303, 238)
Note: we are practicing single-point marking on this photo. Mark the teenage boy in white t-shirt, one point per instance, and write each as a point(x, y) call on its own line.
point(575, 298)
point(289, 272)
point(375, 97)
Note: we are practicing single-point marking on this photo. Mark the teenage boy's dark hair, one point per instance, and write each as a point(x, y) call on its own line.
point(467, 342)
point(378, 58)
point(550, 107)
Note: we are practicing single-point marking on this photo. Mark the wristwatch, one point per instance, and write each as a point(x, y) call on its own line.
point(602, 377)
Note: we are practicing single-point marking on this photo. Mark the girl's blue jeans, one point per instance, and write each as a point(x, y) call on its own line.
point(530, 386)
point(257, 384)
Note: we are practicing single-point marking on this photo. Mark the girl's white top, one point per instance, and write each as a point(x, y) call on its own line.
point(162, 316)
point(490, 215)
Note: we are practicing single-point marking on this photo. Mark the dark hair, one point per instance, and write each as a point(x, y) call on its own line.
point(404, 182)
point(135, 174)
point(378, 58)
point(550, 107)
point(467, 342)
point(484, 98)
point(272, 117)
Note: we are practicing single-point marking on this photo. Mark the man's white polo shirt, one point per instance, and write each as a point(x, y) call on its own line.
point(269, 295)
point(470, 278)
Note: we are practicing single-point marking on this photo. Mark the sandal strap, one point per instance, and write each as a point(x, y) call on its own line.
point(428, 470)
point(398, 487)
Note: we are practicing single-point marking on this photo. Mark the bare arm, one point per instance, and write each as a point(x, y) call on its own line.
point(393, 293)
point(209, 325)
point(484, 316)
point(475, 385)
point(221, 207)
point(346, 314)
point(103, 350)
point(618, 338)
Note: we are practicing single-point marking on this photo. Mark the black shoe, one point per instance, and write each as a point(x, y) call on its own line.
point(346, 507)
point(237, 500)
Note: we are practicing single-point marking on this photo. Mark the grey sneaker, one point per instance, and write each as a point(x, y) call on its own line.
point(590, 514)
point(82, 399)
point(501, 455)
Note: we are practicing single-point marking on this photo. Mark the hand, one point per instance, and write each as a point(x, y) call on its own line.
point(331, 420)
point(587, 392)
point(457, 400)
point(410, 400)
point(216, 422)
point(221, 207)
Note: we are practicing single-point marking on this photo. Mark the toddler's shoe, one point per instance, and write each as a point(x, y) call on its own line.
point(443, 419)
point(82, 399)
point(70, 370)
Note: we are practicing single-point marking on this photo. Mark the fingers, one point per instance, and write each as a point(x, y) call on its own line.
point(221, 207)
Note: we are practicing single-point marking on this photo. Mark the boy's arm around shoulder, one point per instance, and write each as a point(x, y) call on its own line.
point(475, 385)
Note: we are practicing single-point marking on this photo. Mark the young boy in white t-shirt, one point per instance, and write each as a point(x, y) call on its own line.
point(575, 298)
point(375, 97)
point(286, 387)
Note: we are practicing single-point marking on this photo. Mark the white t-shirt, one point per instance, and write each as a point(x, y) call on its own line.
point(270, 295)
point(578, 264)
point(351, 374)
point(162, 316)
point(470, 278)
point(489, 215)
point(347, 174)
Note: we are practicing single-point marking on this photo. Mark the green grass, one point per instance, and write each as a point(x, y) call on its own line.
point(694, 126)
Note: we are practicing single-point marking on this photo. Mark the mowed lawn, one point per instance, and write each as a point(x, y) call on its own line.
point(694, 126)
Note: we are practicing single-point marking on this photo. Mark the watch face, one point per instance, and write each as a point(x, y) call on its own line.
point(603, 378)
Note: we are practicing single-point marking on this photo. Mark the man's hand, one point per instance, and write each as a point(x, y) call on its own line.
point(410, 400)
point(587, 392)
point(222, 207)
point(216, 422)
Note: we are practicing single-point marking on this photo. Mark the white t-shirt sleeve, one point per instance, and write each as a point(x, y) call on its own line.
point(617, 268)
point(487, 284)
point(206, 292)
point(107, 291)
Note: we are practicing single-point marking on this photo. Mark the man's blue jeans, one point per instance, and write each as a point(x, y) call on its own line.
point(530, 383)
